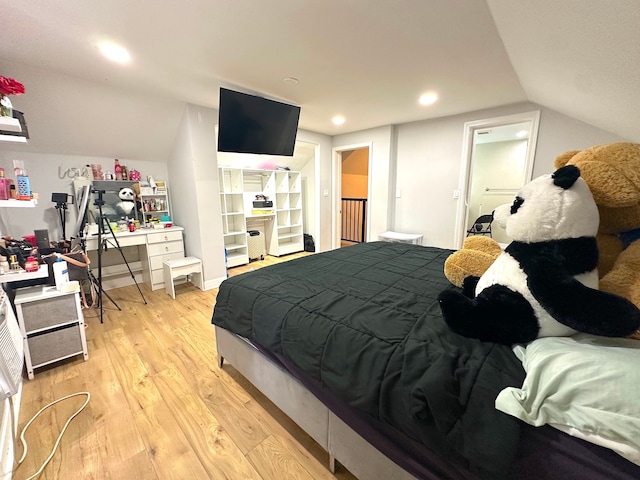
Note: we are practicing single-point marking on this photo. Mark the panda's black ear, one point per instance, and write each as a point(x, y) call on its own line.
point(566, 176)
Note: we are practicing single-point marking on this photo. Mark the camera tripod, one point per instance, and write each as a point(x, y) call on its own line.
point(103, 241)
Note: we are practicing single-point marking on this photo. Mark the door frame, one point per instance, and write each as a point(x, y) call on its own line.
point(468, 145)
point(336, 171)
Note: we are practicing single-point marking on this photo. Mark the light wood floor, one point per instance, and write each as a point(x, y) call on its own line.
point(160, 407)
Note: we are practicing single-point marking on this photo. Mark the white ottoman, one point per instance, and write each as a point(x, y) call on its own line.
point(180, 267)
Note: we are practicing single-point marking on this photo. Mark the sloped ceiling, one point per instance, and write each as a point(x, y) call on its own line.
point(364, 59)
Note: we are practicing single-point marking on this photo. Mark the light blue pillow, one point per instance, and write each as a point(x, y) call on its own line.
point(584, 385)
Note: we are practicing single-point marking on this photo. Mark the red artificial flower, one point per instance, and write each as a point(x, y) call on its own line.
point(8, 86)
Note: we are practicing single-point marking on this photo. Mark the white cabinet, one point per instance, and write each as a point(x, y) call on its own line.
point(280, 223)
point(52, 325)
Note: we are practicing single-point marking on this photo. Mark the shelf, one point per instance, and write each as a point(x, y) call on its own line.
point(18, 203)
point(234, 246)
point(291, 235)
point(20, 275)
point(12, 139)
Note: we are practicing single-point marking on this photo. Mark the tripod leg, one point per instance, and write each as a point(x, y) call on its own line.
point(94, 281)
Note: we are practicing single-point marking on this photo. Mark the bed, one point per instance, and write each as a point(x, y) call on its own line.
point(352, 346)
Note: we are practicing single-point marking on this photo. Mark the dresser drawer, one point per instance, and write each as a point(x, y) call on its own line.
point(163, 237)
point(157, 276)
point(165, 247)
point(156, 262)
point(48, 312)
point(55, 345)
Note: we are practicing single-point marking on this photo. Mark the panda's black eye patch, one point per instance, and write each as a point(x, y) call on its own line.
point(516, 204)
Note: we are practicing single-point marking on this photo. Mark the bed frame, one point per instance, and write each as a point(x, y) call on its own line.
point(289, 395)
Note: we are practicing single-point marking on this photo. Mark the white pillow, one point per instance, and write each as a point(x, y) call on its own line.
point(584, 385)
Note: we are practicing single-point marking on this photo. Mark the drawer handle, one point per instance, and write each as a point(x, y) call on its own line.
point(166, 249)
point(166, 237)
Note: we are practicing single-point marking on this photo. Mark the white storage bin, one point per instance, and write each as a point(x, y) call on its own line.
point(396, 237)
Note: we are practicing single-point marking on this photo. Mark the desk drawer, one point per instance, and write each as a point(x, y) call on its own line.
point(164, 248)
point(163, 237)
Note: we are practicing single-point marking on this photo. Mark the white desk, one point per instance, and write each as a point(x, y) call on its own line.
point(154, 247)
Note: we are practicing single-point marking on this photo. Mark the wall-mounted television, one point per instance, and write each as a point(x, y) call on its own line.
point(251, 124)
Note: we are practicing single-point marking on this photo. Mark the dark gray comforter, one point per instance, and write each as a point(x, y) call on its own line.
point(364, 321)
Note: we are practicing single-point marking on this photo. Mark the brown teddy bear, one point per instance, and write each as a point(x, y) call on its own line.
point(612, 172)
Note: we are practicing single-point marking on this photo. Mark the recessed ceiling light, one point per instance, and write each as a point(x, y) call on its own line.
point(338, 120)
point(114, 52)
point(291, 81)
point(428, 98)
point(521, 133)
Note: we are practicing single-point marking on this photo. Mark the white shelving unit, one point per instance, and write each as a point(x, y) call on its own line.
point(233, 219)
point(282, 229)
point(155, 204)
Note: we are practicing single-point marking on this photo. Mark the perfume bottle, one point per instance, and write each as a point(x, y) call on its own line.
point(5, 186)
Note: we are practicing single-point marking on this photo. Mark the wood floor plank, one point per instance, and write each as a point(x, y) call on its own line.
point(169, 450)
point(275, 462)
point(140, 391)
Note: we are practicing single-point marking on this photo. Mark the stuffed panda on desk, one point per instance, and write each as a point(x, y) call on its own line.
point(545, 282)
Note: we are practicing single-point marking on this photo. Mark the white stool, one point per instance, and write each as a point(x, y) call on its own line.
point(179, 267)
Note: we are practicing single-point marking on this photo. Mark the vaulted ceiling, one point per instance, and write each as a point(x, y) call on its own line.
point(367, 60)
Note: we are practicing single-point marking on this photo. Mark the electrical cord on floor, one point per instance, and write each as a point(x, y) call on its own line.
point(55, 447)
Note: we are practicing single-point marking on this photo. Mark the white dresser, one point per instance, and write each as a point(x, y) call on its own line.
point(161, 245)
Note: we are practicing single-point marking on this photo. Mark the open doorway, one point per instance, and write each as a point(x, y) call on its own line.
point(351, 205)
point(497, 160)
point(355, 195)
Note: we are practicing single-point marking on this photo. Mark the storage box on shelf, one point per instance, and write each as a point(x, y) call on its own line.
point(52, 325)
point(280, 223)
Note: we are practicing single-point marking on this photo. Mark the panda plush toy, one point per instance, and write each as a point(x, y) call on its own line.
point(545, 283)
point(127, 201)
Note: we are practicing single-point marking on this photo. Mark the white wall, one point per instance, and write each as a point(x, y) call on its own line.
point(321, 231)
point(428, 165)
point(193, 171)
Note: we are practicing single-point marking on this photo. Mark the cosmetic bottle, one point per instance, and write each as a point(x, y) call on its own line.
point(5, 186)
point(117, 170)
point(31, 265)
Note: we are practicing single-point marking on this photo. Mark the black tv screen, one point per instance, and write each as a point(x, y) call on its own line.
point(250, 124)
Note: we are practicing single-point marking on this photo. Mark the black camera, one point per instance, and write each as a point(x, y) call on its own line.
point(61, 198)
